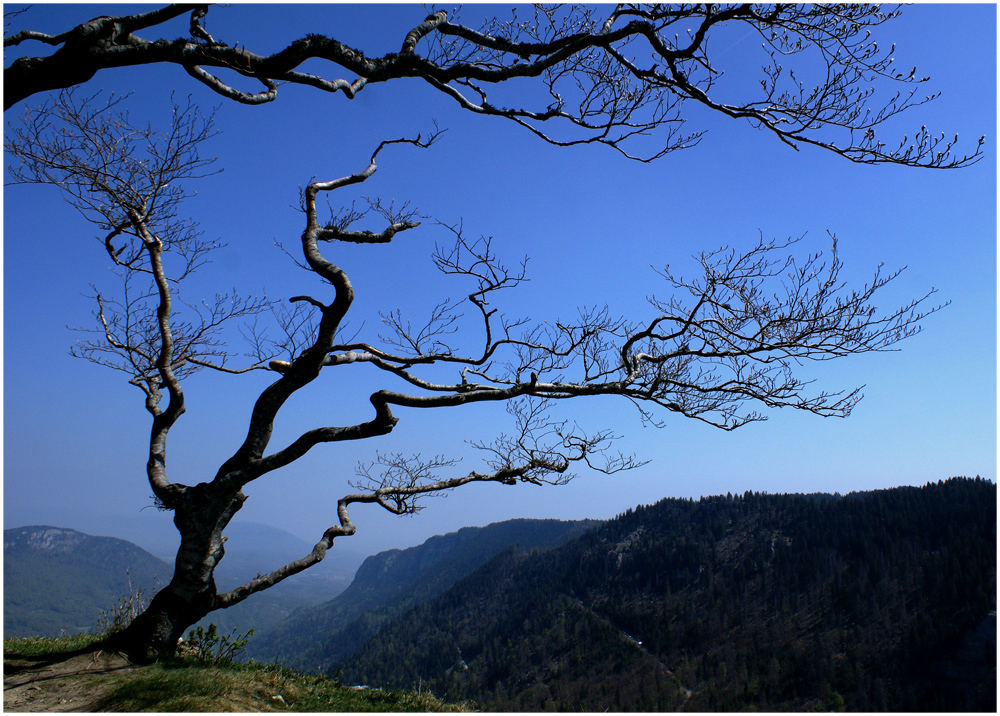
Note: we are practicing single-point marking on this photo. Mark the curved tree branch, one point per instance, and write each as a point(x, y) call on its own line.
point(246, 463)
point(539, 452)
point(721, 348)
point(592, 63)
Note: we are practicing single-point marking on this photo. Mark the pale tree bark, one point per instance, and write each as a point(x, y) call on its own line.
point(612, 76)
point(721, 347)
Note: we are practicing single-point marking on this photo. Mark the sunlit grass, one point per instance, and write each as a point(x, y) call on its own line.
point(190, 684)
point(187, 685)
point(27, 647)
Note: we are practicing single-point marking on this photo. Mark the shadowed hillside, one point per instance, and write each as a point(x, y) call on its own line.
point(389, 583)
point(879, 600)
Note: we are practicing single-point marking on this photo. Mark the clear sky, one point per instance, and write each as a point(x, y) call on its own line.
point(592, 224)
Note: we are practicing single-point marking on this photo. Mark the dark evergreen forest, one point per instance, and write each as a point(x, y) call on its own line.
point(878, 601)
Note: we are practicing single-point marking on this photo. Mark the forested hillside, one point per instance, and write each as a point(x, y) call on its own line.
point(879, 600)
point(58, 580)
point(389, 583)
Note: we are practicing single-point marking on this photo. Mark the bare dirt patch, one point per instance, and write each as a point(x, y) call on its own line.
point(75, 683)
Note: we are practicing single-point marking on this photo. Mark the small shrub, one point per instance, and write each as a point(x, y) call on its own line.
point(207, 645)
point(120, 615)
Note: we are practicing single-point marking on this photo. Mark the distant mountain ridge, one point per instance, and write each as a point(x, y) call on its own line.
point(390, 582)
point(43, 538)
point(53, 540)
point(254, 548)
point(58, 580)
point(874, 601)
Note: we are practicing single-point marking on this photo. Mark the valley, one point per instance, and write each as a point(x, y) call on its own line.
point(869, 601)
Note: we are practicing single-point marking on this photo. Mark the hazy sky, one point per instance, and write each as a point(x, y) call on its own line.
point(594, 226)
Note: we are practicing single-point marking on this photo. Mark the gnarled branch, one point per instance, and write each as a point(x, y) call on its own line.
point(539, 451)
point(618, 77)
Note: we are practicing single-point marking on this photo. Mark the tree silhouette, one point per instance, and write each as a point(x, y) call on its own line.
point(720, 347)
point(608, 77)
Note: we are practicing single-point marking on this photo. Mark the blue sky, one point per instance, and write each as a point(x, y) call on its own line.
point(592, 224)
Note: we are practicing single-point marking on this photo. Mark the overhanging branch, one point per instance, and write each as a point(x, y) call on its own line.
point(590, 67)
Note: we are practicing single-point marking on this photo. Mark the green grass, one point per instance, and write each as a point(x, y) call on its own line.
point(190, 684)
point(42, 647)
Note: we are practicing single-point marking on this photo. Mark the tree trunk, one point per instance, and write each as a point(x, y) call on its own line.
point(191, 593)
point(154, 633)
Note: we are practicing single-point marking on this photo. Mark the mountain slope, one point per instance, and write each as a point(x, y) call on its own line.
point(59, 580)
point(874, 601)
point(252, 548)
point(389, 583)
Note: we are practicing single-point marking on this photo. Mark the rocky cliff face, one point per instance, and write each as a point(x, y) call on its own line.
point(49, 539)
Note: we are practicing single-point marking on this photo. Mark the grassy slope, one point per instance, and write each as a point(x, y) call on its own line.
point(186, 684)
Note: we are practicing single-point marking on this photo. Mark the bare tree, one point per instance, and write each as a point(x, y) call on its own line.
point(603, 76)
point(733, 337)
